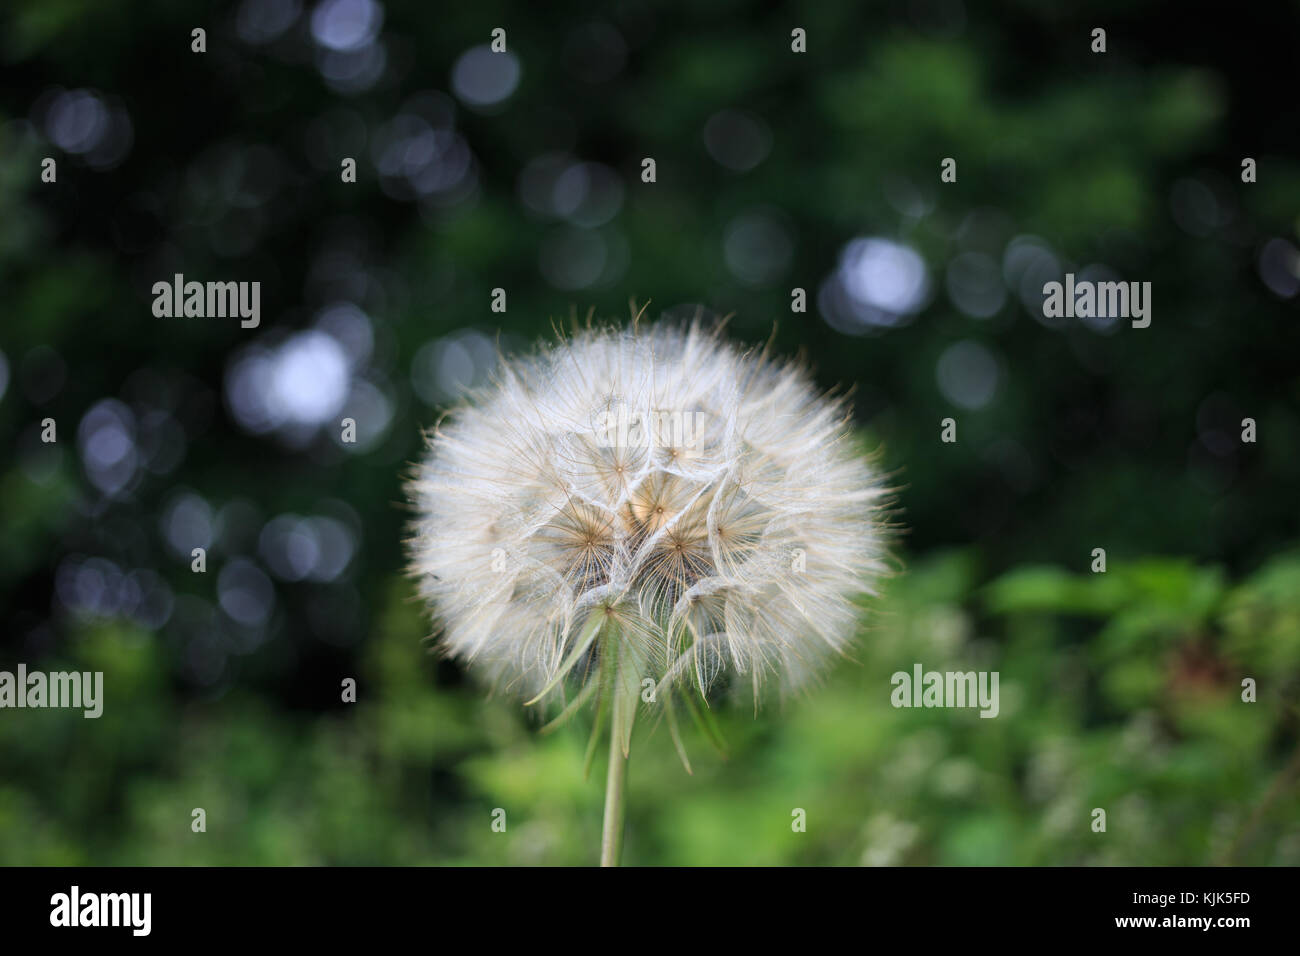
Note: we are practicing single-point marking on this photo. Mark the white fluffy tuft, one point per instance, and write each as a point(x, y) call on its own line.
point(725, 532)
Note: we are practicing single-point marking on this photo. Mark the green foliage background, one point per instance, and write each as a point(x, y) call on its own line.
point(1120, 691)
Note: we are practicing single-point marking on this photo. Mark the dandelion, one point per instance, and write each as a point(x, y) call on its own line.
point(646, 519)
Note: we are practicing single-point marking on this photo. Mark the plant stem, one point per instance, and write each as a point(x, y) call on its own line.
point(612, 837)
point(619, 667)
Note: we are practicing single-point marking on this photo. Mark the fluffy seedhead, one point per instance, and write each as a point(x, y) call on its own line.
point(650, 503)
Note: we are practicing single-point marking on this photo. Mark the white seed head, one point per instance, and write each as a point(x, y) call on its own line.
point(706, 506)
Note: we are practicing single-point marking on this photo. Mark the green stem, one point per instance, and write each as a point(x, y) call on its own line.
point(619, 666)
point(612, 837)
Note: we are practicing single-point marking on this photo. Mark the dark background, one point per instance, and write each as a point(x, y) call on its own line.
point(775, 170)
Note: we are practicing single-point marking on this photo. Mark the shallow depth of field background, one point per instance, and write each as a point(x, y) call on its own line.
point(522, 171)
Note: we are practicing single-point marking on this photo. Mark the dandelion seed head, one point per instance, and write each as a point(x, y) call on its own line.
point(707, 505)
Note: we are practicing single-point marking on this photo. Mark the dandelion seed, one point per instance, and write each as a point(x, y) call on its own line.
point(647, 488)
